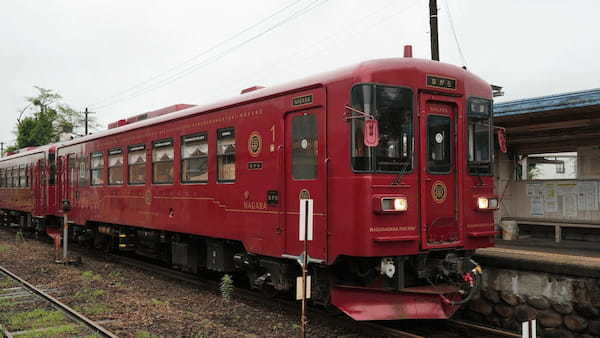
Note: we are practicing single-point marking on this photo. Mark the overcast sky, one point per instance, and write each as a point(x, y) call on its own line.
point(126, 57)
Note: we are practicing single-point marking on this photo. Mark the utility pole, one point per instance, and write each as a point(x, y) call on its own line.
point(1, 149)
point(86, 121)
point(433, 24)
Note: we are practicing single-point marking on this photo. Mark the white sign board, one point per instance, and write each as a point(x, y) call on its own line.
point(529, 329)
point(305, 223)
point(299, 286)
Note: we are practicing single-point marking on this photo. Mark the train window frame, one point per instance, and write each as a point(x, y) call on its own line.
point(222, 134)
point(132, 150)
point(115, 152)
point(51, 168)
point(469, 163)
point(451, 138)
point(158, 144)
point(1, 177)
point(97, 154)
point(197, 137)
point(299, 150)
point(15, 176)
point(408, 143)
point(84, 178)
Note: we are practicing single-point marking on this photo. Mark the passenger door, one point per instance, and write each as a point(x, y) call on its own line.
point(439, 208)
point(305, 177)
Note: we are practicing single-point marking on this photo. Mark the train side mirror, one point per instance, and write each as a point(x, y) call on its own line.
point(371, 133)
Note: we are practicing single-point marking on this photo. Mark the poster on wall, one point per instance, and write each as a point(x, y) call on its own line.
point(536, 198)
point(537, 206)
point(569, 205)
point(587, 195)
point(550, 197)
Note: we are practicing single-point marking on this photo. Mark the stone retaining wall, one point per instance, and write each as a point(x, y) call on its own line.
point(563, 306)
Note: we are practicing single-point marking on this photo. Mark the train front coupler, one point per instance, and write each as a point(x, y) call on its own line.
point(460, 272)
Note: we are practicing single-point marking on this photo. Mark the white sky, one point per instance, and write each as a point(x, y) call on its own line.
point(92, 52)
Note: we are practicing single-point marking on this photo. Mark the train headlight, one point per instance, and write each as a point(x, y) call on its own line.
point(487, 203)
point(482, 202)
point(394, 204)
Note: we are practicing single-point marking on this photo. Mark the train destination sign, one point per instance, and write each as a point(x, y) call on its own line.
point(302, 100)
point(440, 82)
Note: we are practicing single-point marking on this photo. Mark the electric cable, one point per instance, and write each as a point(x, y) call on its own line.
point(460, 52)
point(197, 55)
point(192, 68)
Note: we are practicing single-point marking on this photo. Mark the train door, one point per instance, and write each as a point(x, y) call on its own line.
point(39, 187)
point(439, 208)
point(305, 178)
point(68, 177)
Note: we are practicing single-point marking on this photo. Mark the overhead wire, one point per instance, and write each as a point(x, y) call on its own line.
point(324, 43)
point(194, 67)
point(460, 52)
point(197, 55)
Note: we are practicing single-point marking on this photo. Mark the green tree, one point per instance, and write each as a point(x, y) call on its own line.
point(45, 117)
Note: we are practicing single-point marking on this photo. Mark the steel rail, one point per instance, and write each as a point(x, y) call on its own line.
point(492, 332)
point(69, 311)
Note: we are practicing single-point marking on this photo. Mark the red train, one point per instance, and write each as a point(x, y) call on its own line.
point(395, 153)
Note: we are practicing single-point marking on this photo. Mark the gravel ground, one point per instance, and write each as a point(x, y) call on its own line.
point(135, 303)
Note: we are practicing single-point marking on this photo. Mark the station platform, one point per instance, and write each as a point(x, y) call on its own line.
point(580, 259)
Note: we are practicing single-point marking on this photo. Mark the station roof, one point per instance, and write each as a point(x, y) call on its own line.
point(553, 123)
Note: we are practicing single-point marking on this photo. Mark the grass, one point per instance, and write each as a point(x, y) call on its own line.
point(88, 294)
point(3, 248)
point(92, 309)
point(52, 332)
point(90, 275)
point(6, 283)
point(34, 319)
point(158, 302)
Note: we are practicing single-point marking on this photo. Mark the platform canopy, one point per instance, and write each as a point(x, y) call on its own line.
point(548, 124)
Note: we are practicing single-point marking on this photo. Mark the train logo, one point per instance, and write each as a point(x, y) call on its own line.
point(304, 194)
point(254, 144)
point(439, 192)
point(148, 197)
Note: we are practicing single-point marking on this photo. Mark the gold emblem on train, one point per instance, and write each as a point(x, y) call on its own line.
point(304, 194)
point(254, 144)
point(439, 192)
point(148, 197)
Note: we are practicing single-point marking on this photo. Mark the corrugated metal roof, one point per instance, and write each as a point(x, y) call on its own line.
point(547, 103)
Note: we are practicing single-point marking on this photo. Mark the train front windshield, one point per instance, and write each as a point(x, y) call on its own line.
point(392, 108)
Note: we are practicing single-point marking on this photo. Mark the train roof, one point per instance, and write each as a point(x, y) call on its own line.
point(352, 71)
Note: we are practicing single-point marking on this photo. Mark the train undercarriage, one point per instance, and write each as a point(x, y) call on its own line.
point(442, 280)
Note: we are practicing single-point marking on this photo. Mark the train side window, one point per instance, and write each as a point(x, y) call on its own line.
point(72, 163)
point(22, 176)
point(96, 166)
point(136, 160)
point(115, 166)
point(194, 158)
point(226, 155)
point(305, 144)
point(2, 177)
point(52, 168)
point(439, 138)
point(83, 170)
point(15, 177)
point(162, 161)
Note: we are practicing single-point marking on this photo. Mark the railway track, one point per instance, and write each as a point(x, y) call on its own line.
point(402, 329)
point(27, 310)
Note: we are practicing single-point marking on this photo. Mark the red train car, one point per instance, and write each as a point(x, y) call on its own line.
point(395, 153)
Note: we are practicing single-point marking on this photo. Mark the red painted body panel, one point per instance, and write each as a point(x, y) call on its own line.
point(345, 222)
point(366, 304)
